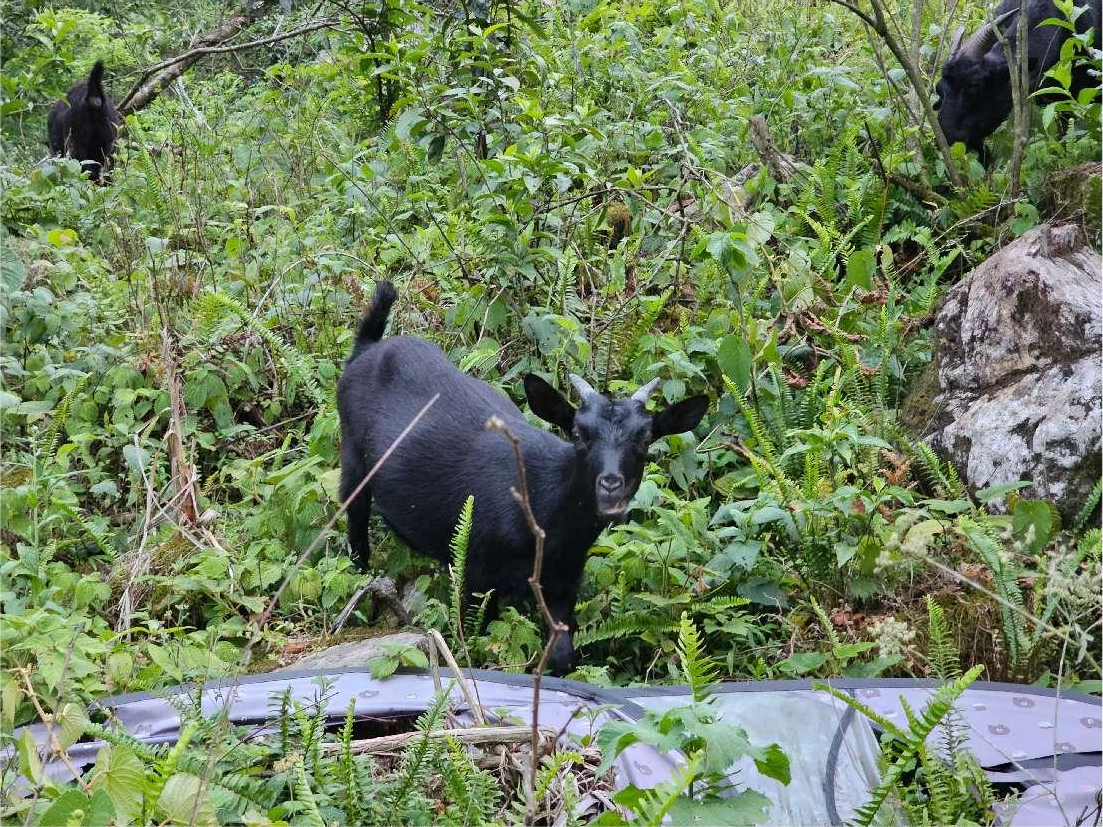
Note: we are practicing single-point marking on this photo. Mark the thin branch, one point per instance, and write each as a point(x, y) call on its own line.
point(142, 92)
point(555, 627)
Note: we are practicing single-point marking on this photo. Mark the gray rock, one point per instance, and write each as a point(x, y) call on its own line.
point(355, 653)
point(1018, 363)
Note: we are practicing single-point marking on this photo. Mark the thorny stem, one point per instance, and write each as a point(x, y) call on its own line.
point(555, 627)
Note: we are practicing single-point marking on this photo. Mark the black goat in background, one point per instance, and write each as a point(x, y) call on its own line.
point(576, 487)
point(85, 125)
point(974, 93)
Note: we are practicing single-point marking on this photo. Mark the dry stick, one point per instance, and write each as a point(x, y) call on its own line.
point(262, 620)
point(485, 735)
point(437, 640)
point(555, 628)
point(142, 92)
point(182, 472)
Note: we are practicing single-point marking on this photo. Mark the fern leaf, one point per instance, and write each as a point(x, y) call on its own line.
point(698, 668)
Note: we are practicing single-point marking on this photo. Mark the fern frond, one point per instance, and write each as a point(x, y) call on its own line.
point(1086, 511)
point(301, 790)
point(461, 536)
point(624, 625)
point(417, 761)
point(912, 743)
point(942, 654)
point(61, 416)
point(214, 306)
point(1009, 595)
point(698, 668)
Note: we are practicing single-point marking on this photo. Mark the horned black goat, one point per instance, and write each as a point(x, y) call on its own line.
point(85, 125)
point(576, 487)
point(974, 92)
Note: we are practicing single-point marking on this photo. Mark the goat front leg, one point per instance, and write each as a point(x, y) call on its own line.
point(562, 656)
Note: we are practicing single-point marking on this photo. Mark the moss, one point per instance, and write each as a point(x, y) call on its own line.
point(919, 409)
point(1093, 202)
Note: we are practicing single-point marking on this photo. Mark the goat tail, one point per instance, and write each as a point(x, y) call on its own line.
point(374, 322)
point(94, 94)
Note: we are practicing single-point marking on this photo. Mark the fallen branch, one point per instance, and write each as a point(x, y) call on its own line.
point(467, 735)
point(160, 75)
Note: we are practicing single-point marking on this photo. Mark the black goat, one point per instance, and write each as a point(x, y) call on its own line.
point(974, 93)
point(576, 488)
point(85, 125)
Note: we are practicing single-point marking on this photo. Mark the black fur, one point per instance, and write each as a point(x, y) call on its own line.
point(974, 96)
point(577, 487)
point(85, 125)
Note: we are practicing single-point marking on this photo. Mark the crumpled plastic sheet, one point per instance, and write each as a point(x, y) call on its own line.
point(1021, 735)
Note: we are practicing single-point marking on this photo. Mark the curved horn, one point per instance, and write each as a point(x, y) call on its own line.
point(980, 41)
point(644, 392)
point(582, 386)
point(955, 44)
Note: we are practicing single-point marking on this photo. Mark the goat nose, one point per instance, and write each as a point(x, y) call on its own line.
point(611, 483)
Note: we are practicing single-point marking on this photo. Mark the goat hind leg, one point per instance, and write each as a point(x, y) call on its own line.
point(358, 509)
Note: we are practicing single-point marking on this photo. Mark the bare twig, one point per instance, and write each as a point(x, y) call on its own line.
point(384, 589)
point(782, 167)
point(467, 735)
point(555, 627)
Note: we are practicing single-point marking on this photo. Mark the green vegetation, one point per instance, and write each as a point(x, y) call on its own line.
point(553, 187)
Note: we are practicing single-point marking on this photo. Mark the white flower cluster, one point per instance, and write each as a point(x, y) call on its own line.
point(892, 635)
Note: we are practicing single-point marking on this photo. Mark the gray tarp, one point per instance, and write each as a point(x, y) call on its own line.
point(1021, 735)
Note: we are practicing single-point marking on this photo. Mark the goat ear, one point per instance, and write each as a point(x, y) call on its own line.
point(680, 417)
point(548, 403)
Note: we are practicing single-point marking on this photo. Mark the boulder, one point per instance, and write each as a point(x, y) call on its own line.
point(1017, 358)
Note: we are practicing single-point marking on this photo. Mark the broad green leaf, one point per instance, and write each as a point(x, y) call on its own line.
point(29, 763)
point(774, 764)
point(69, 724)
point(12, 270)
point(746, 808)
point(800, 663)
point(408, 123)
point(860, 268)
point(734, 358)
point(120, 773)
point(76, 807)
point(1033, 523)
point(382, 666)
point(185, 800)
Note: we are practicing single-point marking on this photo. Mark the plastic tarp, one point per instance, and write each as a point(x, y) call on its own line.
point(1029, 738)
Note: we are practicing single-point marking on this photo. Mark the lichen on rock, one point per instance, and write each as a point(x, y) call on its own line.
point(1019, 370)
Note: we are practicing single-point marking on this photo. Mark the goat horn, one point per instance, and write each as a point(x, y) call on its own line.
point(644, 392)
point(955, 44)
point(980, 41)
point(582, 386)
